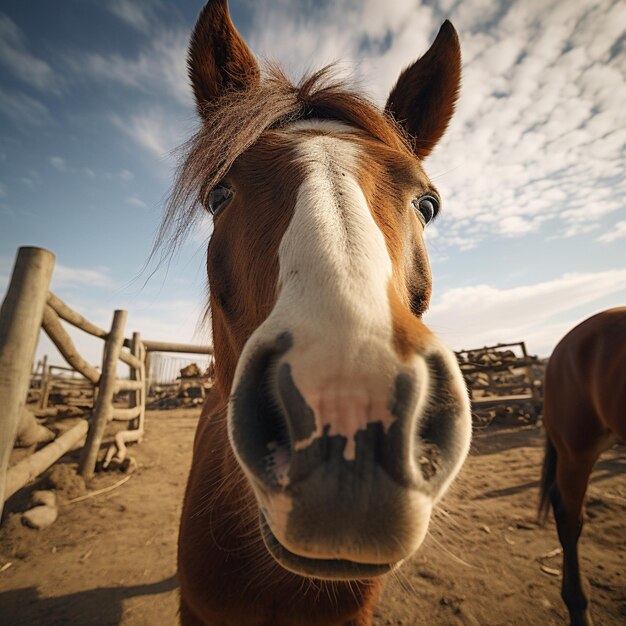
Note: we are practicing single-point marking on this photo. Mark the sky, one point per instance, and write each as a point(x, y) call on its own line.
point(94, 100)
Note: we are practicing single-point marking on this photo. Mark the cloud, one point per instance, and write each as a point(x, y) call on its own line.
point(513, 225)
point(59, 163)
point(467, 317)
point(537, 144)
point(619, 231)
point(153, 130)
point(18, 60)
point(139, 16)
point(23, 109)
point(539, 126)
point(160, 68)
point(126, 175)
point(136, 202)
point(65, 277)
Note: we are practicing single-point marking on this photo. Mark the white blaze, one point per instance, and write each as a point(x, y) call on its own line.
point(334, 275)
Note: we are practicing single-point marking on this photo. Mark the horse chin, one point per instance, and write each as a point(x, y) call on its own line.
point(324, 569)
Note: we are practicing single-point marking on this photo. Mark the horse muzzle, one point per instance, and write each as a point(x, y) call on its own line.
point(346, 464)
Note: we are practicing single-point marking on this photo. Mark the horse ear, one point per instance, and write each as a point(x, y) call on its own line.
point(424, 97)
point(218, 59)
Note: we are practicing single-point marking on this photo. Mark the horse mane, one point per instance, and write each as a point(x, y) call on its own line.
point(236, 120)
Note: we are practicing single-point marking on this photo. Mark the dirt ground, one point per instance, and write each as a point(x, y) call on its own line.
point(110, 559)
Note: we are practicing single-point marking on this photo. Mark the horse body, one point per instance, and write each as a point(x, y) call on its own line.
point(338, 419)
point(585, 396)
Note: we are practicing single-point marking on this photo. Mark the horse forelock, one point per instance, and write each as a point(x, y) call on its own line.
point(236, 121)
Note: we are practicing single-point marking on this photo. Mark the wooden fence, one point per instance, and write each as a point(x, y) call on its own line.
point(497, 376)
point(60, 380)
point(29, 306)
point(163, 346)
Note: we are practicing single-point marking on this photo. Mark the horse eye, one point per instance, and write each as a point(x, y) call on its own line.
point(427, 208)
point(218, 198)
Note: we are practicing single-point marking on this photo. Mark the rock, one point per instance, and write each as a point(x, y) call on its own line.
point(40, 517)
point(46, 498)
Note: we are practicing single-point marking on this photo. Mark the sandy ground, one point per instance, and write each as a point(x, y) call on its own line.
point(111, 559)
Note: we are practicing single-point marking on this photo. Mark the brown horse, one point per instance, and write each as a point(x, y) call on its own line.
point(584, 414)
point(338, 419)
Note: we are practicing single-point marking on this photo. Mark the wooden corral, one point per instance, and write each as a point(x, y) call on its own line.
point(60, 385)
point(160, 347)
point(29, 306)
point(187, 390)
point(503, 380)
point(101, 393)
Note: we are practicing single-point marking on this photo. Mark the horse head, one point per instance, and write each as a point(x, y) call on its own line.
point(348, 416)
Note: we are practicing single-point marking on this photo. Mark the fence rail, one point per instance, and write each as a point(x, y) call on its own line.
point(28, 307)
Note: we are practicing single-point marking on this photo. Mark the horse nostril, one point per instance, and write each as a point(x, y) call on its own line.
point(302, 422)
point(437, 427)
point(259, 428)
point(272, 429)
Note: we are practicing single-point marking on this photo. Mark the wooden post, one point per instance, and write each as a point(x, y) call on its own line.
point(103, 410)
point(147, 364)
point(135, 414)
point(36, 375)
point(20, 321)
point(143, 398)
point(135, 374)
point(45, 389)
point(44, 366)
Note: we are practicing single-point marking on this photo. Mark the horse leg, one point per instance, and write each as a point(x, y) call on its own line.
point(567, 500)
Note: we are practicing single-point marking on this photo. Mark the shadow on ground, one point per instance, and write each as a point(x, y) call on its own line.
point(97, 607)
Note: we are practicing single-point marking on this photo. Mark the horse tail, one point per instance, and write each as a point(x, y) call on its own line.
point(548, 479)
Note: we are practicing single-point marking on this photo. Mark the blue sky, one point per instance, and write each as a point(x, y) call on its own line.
point(94, 98)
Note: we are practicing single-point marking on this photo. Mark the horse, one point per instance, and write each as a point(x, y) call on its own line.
point(338, 419)
point(584, 415)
